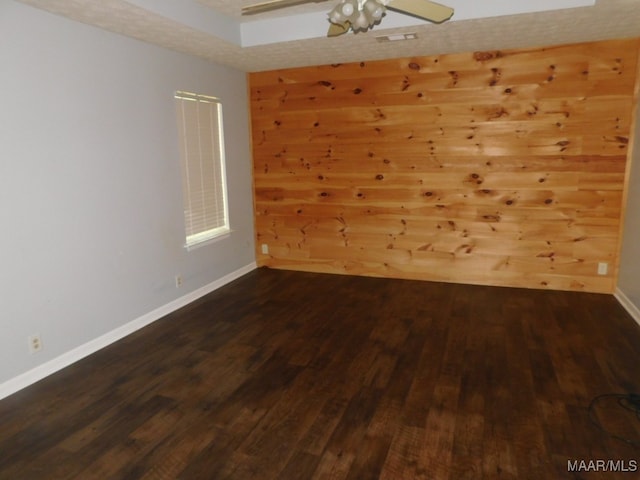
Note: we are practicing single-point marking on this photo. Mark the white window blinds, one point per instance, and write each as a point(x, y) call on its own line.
point(202, 160)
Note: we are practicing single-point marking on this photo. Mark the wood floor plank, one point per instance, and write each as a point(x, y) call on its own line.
point(291, 375)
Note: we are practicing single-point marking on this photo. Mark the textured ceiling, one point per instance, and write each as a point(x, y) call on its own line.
point(607, 19)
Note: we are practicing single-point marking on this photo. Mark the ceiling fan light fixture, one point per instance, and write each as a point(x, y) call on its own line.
point(361, 15)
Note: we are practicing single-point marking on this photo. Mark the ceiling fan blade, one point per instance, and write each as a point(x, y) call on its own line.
point(337, 29)
point(425, 9)
point(273, 5)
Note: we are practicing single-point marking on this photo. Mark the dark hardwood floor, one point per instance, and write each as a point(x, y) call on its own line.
point(288, 375)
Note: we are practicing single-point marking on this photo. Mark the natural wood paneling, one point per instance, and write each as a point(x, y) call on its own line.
point(498, 168)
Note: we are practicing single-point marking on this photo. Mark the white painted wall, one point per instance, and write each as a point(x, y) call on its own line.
point(90, 193)
point(629, 278)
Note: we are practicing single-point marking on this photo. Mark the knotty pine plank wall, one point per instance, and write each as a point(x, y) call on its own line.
point(498, 168)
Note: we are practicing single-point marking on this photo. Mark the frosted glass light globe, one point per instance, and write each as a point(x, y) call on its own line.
point(347, 9)
point(361, 22)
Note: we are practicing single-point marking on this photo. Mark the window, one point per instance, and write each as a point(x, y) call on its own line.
point(202, 160)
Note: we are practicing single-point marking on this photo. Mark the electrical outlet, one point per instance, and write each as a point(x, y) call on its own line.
point(35, 343)
point(603, 268)
point(178, 281)
point(265, 249)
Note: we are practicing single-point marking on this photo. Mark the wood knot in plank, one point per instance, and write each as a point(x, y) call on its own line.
point(475, 178)
point(497, 113)
point(466, 247)
point(380, 114)
point(485, 56)
point(496, 74)
point(454, 77)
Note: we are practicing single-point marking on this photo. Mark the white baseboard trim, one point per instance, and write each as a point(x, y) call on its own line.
point(41, 371)
point(628, 305)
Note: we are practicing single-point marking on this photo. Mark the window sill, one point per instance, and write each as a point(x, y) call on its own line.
point(208, 241)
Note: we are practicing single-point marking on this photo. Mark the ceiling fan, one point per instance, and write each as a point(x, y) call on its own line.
point(361, 15)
